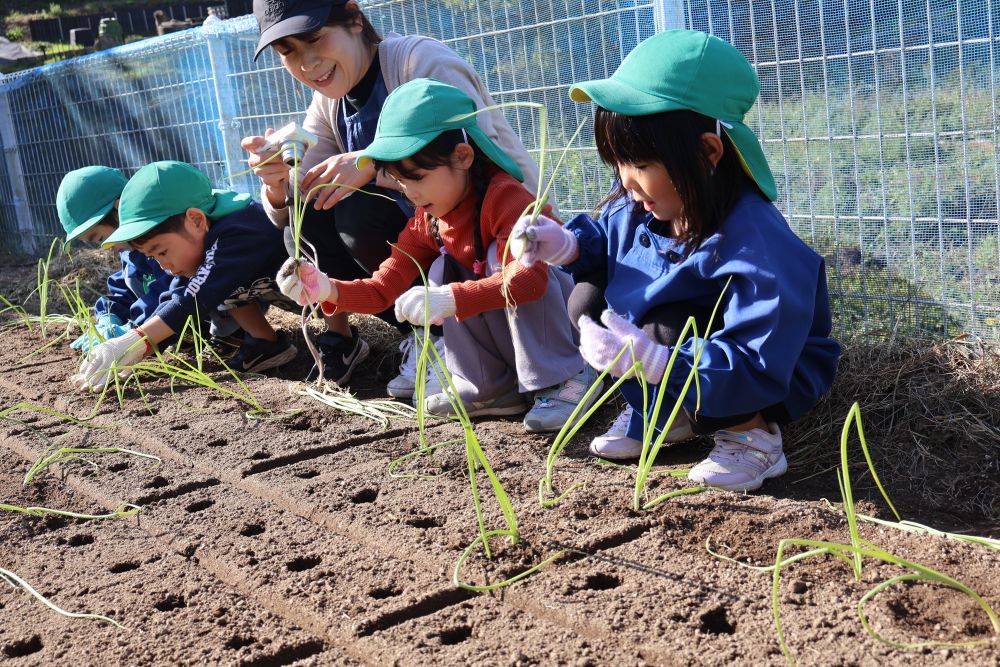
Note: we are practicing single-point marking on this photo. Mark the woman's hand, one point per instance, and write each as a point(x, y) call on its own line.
point(274, 175)
point(338, 170)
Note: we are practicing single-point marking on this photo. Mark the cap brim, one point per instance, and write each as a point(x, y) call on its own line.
point(620, 97)
point(494, 153)
point(90, 222)
point(393, 149)
point(752, 158)
point(133, 230)
point(308, 21)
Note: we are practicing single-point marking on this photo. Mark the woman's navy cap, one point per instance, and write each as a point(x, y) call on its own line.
point(278, 19)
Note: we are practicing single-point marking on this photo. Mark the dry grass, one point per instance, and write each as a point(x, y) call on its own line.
point(931, 415)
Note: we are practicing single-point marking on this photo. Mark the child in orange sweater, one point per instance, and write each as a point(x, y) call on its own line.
point(468, 195)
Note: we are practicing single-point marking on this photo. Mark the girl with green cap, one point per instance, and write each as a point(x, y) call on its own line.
point(691, 213)
point(331, 47)
point(468, 194)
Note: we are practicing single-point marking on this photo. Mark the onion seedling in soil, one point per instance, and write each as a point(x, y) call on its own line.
point(123, 510)
point(16, 581)
point(650, 445)
point(854, 552)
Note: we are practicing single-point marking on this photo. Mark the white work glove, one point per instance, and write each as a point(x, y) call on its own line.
point(302, 282)
point(599, 347)
point(440, 305)
point(96, 369)
point(546, 241)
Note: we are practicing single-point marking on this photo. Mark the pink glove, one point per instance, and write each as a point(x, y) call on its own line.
point(440, 305)
point(545, 241)
point(599, 347)
point(302, 282)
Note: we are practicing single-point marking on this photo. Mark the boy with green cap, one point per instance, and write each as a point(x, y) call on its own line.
point(506, 329)
point(220, 250)
point(691, 218)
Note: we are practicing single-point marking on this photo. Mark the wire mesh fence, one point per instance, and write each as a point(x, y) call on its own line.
point(879, 119)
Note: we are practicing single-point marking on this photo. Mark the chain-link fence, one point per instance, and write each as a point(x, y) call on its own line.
point(879, 118)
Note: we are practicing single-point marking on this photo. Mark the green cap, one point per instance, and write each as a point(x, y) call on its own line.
point(415, 113)
point(687, 69)
point(85, 196)
point(163, 189)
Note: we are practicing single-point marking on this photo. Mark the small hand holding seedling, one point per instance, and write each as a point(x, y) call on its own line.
point(543, 240)
point(302, 282)
point(601, 347)
point(103, 360)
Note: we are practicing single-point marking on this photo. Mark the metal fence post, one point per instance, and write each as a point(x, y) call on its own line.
point(15, 175)
point(225, 100)
point(668, 14)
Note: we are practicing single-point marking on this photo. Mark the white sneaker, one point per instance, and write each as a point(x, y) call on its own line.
point(742, 461)
point(404, 384)
point(615, 444)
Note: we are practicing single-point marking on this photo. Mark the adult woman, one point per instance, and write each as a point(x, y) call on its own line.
point(331, 47)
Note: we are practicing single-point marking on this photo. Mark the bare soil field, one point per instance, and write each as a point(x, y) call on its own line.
point(284, 541)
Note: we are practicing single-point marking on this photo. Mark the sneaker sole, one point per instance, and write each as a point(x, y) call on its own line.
point(777, 470)
point(507, 411)
point(273, 362)
point(614, 456)
point(400, 393)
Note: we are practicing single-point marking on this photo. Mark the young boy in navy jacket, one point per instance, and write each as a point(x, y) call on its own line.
point(221, 252)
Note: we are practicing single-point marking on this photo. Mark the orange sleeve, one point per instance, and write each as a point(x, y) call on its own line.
point(505, 201)
point(393, 277)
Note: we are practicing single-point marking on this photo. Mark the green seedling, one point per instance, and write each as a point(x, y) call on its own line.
point(19, 312)
point(178, 370)
point(122, 511)
point(475, 456)
point(53, 413)
point(650, 446)
point(852, 555)
point(17, 581)
point(43, 285)
point(67, 454)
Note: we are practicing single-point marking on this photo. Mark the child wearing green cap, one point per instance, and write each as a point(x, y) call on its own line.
point(87, 205)
point(220, 251)
point(691, 213)
point(468, 194)
point(331, 47)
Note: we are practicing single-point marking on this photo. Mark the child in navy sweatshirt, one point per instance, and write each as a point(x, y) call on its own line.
point(221, 252)
point(690, 214)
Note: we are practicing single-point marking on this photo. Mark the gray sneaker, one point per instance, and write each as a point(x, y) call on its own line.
point(742, 461)
point(508, 403)
point(554, 405)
